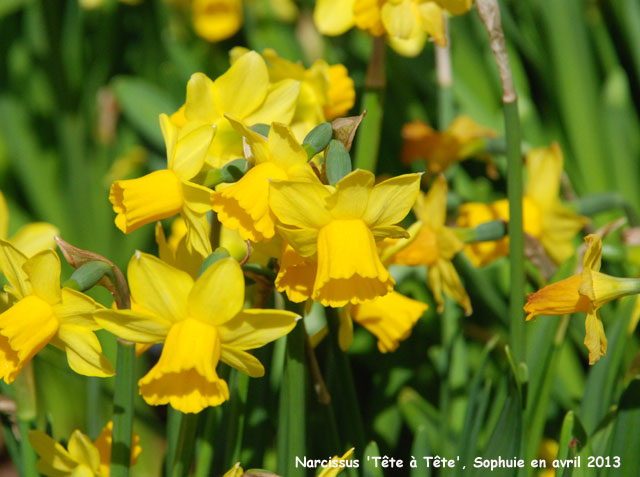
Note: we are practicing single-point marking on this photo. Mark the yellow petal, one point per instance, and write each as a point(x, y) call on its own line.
point(558, 299)
point(544, 172)
point(286, 151)
point(158, 286)
point(244, 206)
point(431, 208)
point(76, 308)
point(4, 217)
point(399, 18)
point(134, 326)
point(594, 338)
point(333, 17)
point(218, 294)
point(197, 238)
point(279, 105)
point(146, 199)
point(366, 16)
point(390, 318)
point(341, 95)
point(593, 256)
point(409, 47)
point(53, 457)
point(82, 471)
point(351, 197)
point(303, 241)
point(200, 105)
point(35, 237)
point(423, 249)
point(349, 268)
point(185, 375)
point(332, 470)
point(559, 226)
point(296, 275)
point(27, 326)
point(257, 144)
point(255, 328)
point(216, 20)
point(432, 21)
point(84, 353)
point(43, 270)
point(11, 262)
point(191, 150)
point(235, 471)
point(456, 7)
point(299, 204)
point(243, 88)
point(391, 200)
point(242, 361)
point(83, 451)
point(446, 275)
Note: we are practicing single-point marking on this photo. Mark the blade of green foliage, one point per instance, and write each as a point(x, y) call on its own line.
point(625, 438)
point(369, 469)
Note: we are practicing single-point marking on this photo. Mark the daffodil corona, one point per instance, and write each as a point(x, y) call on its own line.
point(201, 322)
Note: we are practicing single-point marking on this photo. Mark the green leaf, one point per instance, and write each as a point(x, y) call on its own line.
point(142, 102)
point(625, 438)
point(369, 469)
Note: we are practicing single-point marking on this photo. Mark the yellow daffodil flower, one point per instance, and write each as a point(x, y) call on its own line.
point(583, 292)
point(337, 464)
point(326, 92)
point(200, 322)
point(545, 218)
point(216, 20)
point(407, 23)
point(440, 150)
point(244, 205)
point(42, 313)
point(82, 458)
point(338, 227)
point(235, 471)
point(29, 239)
point(244, 93)
point(167, 192)
point(390, 318)
point(434, 245)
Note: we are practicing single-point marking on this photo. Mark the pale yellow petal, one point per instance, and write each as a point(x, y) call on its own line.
point(432, 22)
point(35, 237)
point(53, 457)
point(351, 198)
point(594, 338)
point(399, 18)
point(409, 47)
point(304, 241)
point(243, 88)
point(286, 151)
point(257, 143)
point(391, 200)
point(218, 294)
point(191, 150)
point(299, 204)
point(544, 172)
point(83, 451)
point(197, 238)
point(333, 17)
point(254, 328)
point(76, 308)
point(11, 262)
point(200, 105)
point(593, 256)
point(242, 361)
point(279, 105)
point(431, 209)
point(43, 270)
point(216, 20)
point(158, 286)
point(84, 353)
point(134, 326)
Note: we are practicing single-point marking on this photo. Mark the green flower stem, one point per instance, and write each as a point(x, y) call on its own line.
point(173, 429)
point(25, 397)
point(235, 428)
point(123, 410)
point(184, 445)
point(291, 442)
point(368, 143)
point(343, 379)
point(446, 109)
point(493, 230)
point(489, 11)
point(605, 201)
point(204, 456)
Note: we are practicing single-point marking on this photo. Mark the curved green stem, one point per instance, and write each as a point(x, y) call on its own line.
point(123, 410)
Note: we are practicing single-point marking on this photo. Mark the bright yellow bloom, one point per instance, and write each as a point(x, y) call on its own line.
point(434, 245)
point(200, 322)
point(216, 20)
point(165, 193)
point(337, 464)
point(244, 93)
point(390, 318)
point(407, 23)
point(584, 292)
point(244, 205)
point(29, 239)
point(545, 218)
point(42, 313)
point(339, 226)
point(82, 458)
point(439, 150)
point(174, 251)
point(296, 276)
